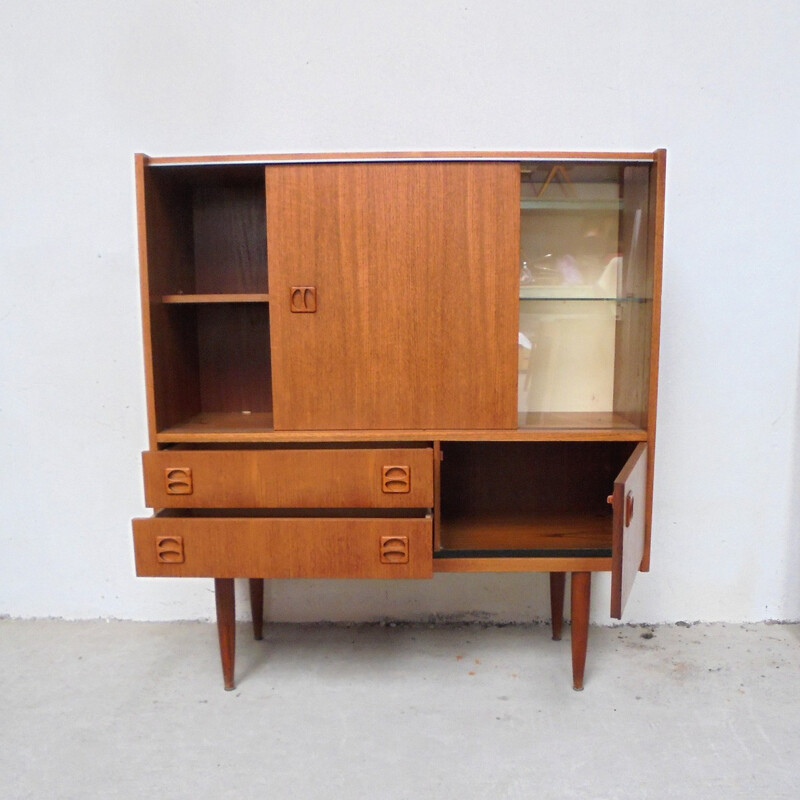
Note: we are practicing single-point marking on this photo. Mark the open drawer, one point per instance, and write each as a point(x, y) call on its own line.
point(246, 544)
point(400, 477)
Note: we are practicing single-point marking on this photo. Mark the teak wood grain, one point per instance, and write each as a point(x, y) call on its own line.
point(519, 480)
point(330, 478)
point(280, 547)
point(655, 255)
point(233, 356)
point(170, 343)
point(225, 601)
point(230, 248)
point(628, 533)
point(256, 586)
point(522, 564)
point(258, 428)
point(215, 298)
point(580, 590)
point(567, 531)
point(415, 267)
point(557, 585)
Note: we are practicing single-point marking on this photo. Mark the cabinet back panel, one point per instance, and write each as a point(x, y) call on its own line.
point(230, 246)
point(415, 269)
point(511, 478)
point(234, 357)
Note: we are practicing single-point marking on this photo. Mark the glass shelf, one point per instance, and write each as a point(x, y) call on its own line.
point(534, 204)
point(528, 296)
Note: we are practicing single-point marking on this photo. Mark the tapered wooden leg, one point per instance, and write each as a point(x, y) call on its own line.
point(226, 627)
point(581, 593)
point(257, 606)
point(557, 583)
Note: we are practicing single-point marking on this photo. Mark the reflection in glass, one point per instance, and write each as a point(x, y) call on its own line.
point(582, 269)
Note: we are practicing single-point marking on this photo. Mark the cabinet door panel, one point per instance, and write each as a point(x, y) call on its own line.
point(413, 268)
point(629, 527)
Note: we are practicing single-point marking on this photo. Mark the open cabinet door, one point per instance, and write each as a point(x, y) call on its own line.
point(629, 527)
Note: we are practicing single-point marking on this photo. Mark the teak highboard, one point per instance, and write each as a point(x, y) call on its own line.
point(388, 365)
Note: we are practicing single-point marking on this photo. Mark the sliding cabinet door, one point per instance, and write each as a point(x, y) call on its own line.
point(393, 294)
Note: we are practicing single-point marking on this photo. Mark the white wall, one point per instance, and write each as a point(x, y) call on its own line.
point(83, 85)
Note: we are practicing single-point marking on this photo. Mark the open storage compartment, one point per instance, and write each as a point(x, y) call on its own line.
point(528, 499)
point(205, 258)
point(211, 365)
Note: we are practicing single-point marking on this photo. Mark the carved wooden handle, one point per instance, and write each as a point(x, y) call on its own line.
point(629, 503)
point(178, 480)
point(394, 550)
point(396, 479)
point(169, 549)
point(303, 299)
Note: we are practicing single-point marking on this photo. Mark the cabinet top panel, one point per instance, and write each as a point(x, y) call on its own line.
point(395, 156)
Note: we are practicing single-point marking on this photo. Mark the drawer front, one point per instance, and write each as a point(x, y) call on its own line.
point(346, 478)
point(280, 547)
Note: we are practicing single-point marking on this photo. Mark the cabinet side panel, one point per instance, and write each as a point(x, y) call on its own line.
point(165, 253)
point(415, 270)
point(144, 286)
point(655, 256)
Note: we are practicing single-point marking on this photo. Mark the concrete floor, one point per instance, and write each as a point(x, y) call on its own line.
point(132, 710)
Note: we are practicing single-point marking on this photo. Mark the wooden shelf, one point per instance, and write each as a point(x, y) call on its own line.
point(258, 427)
point(576, 420)
point(218, 426)
point(214, 298)
point(563, 297)
point(567, 534)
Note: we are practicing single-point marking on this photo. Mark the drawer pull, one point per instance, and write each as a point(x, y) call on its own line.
point(396, 479)
point(303, 299)
point(178, 480)
point(628, 509)
point(169, 549)
point(394, 549)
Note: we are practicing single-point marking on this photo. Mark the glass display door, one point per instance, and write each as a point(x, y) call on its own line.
point(585, 294)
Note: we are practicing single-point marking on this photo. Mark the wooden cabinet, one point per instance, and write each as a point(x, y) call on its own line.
point(391, 365)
